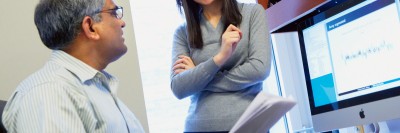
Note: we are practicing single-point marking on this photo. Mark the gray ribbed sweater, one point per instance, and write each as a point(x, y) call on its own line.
point(220, 95)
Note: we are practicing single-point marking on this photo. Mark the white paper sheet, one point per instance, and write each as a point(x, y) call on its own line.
point(263, 112)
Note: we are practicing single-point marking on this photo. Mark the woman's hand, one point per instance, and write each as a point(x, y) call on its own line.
point(182, 64)
point(230, 39)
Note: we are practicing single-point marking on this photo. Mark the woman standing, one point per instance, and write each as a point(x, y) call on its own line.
point(220, 58)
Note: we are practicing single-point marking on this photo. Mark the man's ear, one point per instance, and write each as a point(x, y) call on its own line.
point(87, 28)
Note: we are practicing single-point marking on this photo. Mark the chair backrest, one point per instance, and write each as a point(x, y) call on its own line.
point(2, 105)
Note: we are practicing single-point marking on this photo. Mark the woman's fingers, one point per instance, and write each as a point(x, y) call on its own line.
point(182, 64)
point(182, 60)
point(231, 27)
point(187, 61)
point(179, 66)
point(179, 61)
point(232, 35)
point(235, 35)
point(178, 71)
point(232, 38)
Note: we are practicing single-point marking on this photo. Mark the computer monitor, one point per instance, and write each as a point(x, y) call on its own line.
point(351, 61)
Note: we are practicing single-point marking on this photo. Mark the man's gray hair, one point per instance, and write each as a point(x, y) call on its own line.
point(59, 21)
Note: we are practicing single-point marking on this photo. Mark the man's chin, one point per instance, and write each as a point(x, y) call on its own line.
point(120, 53)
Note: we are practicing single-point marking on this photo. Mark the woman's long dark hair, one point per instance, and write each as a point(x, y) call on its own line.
point(230, 15)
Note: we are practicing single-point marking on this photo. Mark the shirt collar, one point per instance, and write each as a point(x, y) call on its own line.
point(83, 71)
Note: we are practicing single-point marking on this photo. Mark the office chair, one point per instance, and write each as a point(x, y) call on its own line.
point(2, 105)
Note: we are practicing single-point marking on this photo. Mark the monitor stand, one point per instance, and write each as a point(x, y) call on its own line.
point(393, 125)
point(390, 126)
point(371, 128)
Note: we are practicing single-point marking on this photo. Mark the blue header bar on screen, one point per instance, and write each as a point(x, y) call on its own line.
point(357, 14)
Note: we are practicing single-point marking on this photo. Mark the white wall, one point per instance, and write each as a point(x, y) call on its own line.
point(22, 53)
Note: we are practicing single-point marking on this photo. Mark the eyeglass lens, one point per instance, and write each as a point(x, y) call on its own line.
point(119, 13)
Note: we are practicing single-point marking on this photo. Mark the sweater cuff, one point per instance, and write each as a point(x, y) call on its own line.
point(211, 67)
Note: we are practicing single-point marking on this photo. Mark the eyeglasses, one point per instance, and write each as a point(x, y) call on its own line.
point(117, 11)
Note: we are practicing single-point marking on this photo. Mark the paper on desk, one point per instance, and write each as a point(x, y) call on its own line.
point(263, 112)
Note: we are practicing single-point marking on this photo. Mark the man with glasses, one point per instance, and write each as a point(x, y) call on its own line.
point(72, 93)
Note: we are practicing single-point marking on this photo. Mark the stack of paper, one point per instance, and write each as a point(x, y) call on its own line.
point(263, 112)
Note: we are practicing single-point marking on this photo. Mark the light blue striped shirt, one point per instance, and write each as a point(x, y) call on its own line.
point(69, 96)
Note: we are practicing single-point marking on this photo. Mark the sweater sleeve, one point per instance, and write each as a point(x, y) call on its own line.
point(257, 67)
point(193, 80)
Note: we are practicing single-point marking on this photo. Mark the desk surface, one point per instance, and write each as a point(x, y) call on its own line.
point(287, 11)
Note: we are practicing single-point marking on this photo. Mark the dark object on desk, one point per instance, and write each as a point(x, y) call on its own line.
point(272, 2)
point(2, 105)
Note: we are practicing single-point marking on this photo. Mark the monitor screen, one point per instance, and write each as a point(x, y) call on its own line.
point(350, 56)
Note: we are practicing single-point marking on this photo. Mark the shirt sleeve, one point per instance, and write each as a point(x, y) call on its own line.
point(193, 80)
point(257, 67)
point(45, 108)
